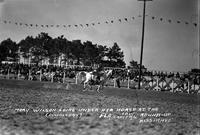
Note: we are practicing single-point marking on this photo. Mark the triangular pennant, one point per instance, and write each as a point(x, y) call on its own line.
point(16, 23)
point(87, 25)
point(69, 25)
point(64, 25)
point(153, 17)
point(98, 22)
point(81, 25)
point(47, 26)
point(26, 24)
point(186, 23)
point(195, 24)
point(120, 20)
point(42, 25)
point(5, 21)
point(31, 25)
point(161, 19)
point(169, 21)
point(36, 25)
point(133, 18)
point(125, 19)
point(93, 24)
point(106, 22)
point(52, 25)
point(20, 24)
point(76, 25)
point(112, 21)
point(178, 22)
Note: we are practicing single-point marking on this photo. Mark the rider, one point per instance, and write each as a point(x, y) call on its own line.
point(96, 73)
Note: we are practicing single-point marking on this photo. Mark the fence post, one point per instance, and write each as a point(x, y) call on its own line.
point(157, 83)
point(29, 74)
point(52, 77)
point(188, 87)
point(64, 77)
point(76, 79)
point(40, 75)
point(128, 82)
point(8, 75)
point(18, 74)
point(114, 82)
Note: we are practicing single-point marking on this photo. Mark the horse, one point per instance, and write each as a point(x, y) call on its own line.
point(90, 78)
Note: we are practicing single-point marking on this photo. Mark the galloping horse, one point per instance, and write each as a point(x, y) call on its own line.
point(90, 78)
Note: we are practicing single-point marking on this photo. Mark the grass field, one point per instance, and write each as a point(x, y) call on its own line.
point(182, 109)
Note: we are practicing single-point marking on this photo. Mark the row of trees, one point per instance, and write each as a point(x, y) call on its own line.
point(45, 47)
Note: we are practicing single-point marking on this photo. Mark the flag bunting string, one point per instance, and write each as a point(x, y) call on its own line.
point(120, 20)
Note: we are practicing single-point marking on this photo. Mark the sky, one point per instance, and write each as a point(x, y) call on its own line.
point(167, 46)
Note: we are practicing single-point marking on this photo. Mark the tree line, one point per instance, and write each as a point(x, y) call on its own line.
point(44, 46)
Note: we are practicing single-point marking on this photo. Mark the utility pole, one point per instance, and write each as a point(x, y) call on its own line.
point(198, 34)
point(142, 42)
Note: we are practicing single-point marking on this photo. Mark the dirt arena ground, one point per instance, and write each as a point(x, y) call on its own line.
point(34, 108)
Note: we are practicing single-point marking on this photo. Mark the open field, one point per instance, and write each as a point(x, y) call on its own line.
point(182, 109)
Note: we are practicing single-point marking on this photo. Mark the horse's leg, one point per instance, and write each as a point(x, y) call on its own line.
point(84, 86)
point(98, 88)
point(91, 88)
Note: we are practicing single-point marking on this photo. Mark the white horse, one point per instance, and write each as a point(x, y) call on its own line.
point(87, 78)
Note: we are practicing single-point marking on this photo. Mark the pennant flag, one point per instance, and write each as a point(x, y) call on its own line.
point(57, 25)
point(153, 17)
point(47, 26)
point(195, 24)
point(120, 20)
point(125, 19)
point(98, 22)
point(133, 18)
point(87, 25)
point(31, 25)
point(36, 25)
point(16, 23)
point(26, 24)
point(112, 21)
point(42, 25)
point(93, 24)
point(106, 22)
point(51, 25)
point(64, 25)
point(69, 25)
point(20, 24)
point(161, 19)
point(169, 21)
point(76, 25)
point(81, 25)
point(186, 23)
point(5, 21)
point(178, 22)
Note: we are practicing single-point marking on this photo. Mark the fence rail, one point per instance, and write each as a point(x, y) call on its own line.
point(172, 84)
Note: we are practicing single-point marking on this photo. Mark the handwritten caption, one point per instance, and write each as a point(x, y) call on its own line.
point(143, 115)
